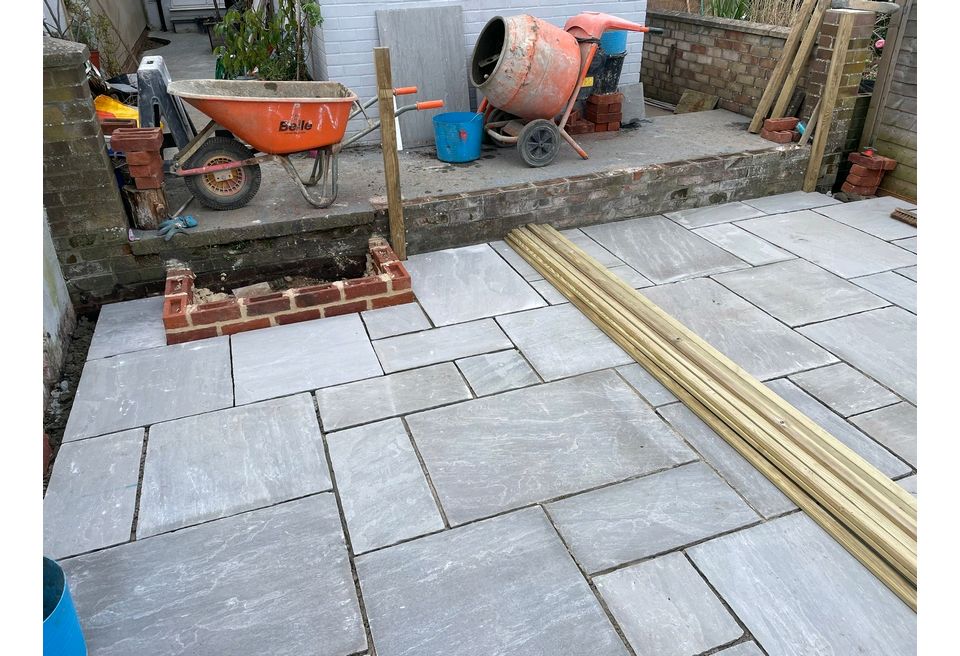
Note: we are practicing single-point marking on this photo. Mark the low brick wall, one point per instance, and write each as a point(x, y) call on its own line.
point(186, 320)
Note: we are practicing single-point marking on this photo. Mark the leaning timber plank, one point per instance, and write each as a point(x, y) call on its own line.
point(811, 124)
point(800, 61)
point(780, 70)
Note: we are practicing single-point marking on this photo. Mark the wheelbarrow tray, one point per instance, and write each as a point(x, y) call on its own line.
point(277, 118)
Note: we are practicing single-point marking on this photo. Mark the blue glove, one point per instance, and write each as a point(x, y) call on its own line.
point(170, 227)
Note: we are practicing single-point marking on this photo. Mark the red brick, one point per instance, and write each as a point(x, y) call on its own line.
point(213, 312)
point(302, 315)
point(873, 163)
point(780, 124)
point(267, 304)
point(153, 169)
point(143, 157)
point(191, 335)
point(604, 99)
point(243, 326)
point(174, 312)
point(316, 295)
point(139, 139)
point(857, 169)
point(360, 287)
point(795, 135)
point(178, 285)
point(872, 180)
point(149, 182)
point(861, 191)
point(613, 126)
point(393, 299)
point(344, 308)
point(382, 255)
point(600, 127)
point(604, 117)
point(399, 275)
point(777, 137)
point(888, 164)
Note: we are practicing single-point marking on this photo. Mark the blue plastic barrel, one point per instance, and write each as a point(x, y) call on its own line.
point(61, 627)
point(614, 42)
point(458, 136)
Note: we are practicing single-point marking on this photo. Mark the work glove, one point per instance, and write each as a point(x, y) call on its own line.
point(170, 227)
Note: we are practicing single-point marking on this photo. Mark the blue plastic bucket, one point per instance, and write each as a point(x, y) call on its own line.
point(61, 626)
point(614, 42)
point(458, 136)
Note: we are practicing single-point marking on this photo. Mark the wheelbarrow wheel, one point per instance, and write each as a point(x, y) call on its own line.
point(539, 142)
point(228, 189)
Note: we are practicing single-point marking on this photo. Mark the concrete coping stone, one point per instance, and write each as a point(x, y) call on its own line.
point(58, 53)
point(721, 23)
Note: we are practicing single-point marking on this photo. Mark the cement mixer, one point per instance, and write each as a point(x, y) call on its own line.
point(530, 73)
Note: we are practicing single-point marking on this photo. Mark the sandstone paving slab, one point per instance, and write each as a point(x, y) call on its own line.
point(383, 490)
point(909, 484)
point(142, 388)
point(840, 429)
point(92, 494)
point(390, 396)
point(559, 341)
point(873, 216)
point(497, 372)
point(537, 443)
point(648, 516)
point(713, 214)
point(649, 387)
point(742, 649)
point(128, 326)
point(661, 250)
point(630, 276)
point(440, 345)
point(910, 243)
point(826, 602)
point(739, 242)
point(463, 284)
point(836, 247)
point(910, 272)
point(881, 343)
point(220, 463)
point(791, 202)
point(893, 287)
point(762, 495)
point(549, 293)
point(664, 607)
point(797, 292)
point(592, 248)
point(894, 426)
point(395, 320)
point(301, 356)
point(515, 260)
point(272, 581)
point(750, 337)
point(844, 390)
point(502, 586)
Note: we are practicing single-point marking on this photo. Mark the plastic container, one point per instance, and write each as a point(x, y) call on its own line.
point(458, 136)
point(614, 42)
point(61, 626)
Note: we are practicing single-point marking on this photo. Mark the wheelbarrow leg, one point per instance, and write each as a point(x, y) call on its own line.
point(329, 166)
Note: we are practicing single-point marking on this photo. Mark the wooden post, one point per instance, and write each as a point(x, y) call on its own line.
point(388, 141)
point(800, 61)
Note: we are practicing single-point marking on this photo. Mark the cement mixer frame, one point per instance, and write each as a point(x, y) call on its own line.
point(536, 128)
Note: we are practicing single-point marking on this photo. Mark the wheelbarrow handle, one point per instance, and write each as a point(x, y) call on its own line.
point(652, 30)
point(404, 91)
point(429, 104)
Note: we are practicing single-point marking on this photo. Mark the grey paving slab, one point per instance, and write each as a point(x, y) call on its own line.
point(497, 372)
point(503, 586)
point(516, 261)
point(664, 607)
point(751, 338)
point(537, 443)
point(881, 343)
point(395, 320)
point(910, 272)
point(649, 387)
point(840, 429)
point(797, 292)
point(92, 494)
point(791, 202)
point(559, 341)
point(142, 388)
point(713, 214)
point(440, 345)
point(383, 490)
point(301, 356)
point(273, 581)
point(836, 247)
point(739, 242)
point(661, 250)
point(549, 292)
point(630, 276)
point(844, 390)
point(390, 396)
point(826, 602)
point(213, 465)
point(742, 649)
point(873, 216)
point(128, 326)
point(463, 284)
point(592, 248)
point(648, 516)
point(893, 287)
point(894, 426)
point(909, 243)
point(762, 495)
point(909, 484)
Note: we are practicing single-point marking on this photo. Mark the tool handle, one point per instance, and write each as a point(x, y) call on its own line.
point(404, 91)
point(653, 30)
point(429, 104)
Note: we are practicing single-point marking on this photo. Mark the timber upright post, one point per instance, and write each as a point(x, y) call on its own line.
point(388, 140)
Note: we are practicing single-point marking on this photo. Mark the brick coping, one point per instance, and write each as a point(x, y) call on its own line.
point(749, 27)
point(185, 319)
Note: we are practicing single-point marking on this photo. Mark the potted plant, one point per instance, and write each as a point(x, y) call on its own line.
point(78, 22)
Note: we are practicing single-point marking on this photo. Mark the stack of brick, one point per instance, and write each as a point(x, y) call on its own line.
point(576, 124)
point(866, 173)
point(780, 130)
point(142, 148)
point(605, 110)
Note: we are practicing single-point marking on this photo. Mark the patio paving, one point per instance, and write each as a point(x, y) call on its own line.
point(484, 472)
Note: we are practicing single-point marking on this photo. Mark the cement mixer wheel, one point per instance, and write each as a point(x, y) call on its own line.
point(539, 142)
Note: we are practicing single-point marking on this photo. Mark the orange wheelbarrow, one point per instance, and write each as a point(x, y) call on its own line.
point(276, 119)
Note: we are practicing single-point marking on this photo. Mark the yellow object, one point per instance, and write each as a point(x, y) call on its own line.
point(107, 107)
point(587, 82)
